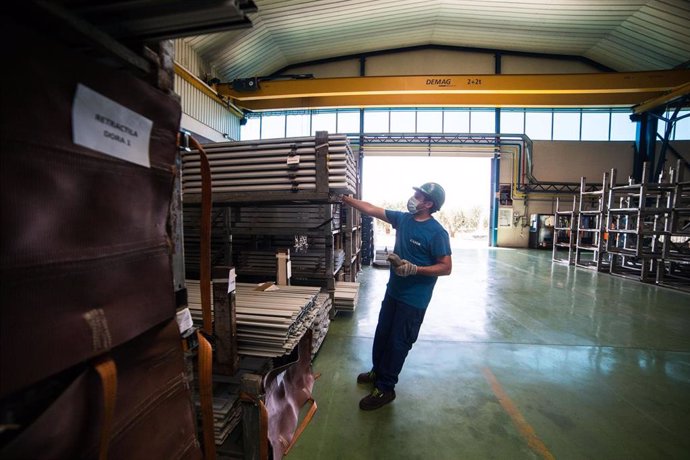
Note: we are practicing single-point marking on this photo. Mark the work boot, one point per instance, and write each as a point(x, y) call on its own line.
point(366, 377)
point(376, 399)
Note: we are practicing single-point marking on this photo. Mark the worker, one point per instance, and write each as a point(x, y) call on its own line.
point(421, 254)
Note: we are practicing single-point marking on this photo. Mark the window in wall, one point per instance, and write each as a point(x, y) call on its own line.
point(622, 128)
point(272, 126)
point(252, 130)
point(323, 122)
point(483, 121)
point(298, 125)
point(661, 126)
point(376, 121)
point(456, 121)
point(512, 122)
point(348, 122)
point(538, 125)
point(595, 126)
point(683, 126)
point(403, 121)
point(429, 121)
point(566, 126)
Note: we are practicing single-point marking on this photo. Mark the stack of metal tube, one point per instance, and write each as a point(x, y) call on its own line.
point(271, 165)
point(270, 322)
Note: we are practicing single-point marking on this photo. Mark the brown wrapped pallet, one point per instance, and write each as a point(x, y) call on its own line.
point(86, 179)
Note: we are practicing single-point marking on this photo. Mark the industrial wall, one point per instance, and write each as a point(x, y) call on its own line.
point(201, 114)
point(558, 161)
point(566, 161)
point(440, 62)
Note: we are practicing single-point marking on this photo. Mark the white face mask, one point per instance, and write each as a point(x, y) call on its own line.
point(412, 204)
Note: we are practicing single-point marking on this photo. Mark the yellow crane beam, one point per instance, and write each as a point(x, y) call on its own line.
point(553, 90)
point(660, 101)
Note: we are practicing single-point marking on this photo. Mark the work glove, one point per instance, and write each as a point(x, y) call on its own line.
point(402, 267)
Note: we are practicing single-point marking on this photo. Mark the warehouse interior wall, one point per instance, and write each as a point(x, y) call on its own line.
point(537, 65)
point(554, 161)
point(442, 62)
point(204, 117)
point(437, 62)
point(346, 68)
point(560, 161)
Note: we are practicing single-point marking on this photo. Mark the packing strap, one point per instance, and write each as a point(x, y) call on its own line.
point(107, 371)
point(205, 236)
point(205, 349)
point(263, 422)
point(206, 395)
point(303, 424)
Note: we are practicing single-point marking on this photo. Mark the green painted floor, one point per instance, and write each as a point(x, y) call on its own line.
point(517, 359)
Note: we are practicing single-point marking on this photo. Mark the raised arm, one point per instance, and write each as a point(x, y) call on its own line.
point(366, 207)
point(442, 267)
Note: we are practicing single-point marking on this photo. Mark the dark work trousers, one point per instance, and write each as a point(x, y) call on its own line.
point(396, 331)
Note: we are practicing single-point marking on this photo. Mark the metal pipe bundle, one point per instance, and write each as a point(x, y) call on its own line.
point(319, 328)
point(269, 323)
point(346, 295)
point(271, 165)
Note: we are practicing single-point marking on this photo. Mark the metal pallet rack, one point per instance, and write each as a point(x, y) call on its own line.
point(367, 240)
point(352, 240)
point(565, 233)
point(590, 249)
point(279, 193)
point(638, 227)
point(674, 269)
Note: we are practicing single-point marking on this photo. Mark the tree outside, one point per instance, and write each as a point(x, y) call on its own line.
point(463, 224)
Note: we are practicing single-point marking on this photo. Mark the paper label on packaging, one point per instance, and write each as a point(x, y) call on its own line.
point(184, 320)
point(104, 125)
point(232, 284)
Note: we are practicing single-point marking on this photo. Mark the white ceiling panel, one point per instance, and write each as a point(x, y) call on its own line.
point(625, 35)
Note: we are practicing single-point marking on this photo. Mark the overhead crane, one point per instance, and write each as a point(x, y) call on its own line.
point(610, 89)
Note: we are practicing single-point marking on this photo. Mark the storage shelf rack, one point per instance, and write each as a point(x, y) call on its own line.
point(638, 227)
point(590, 248)
point(565, 232)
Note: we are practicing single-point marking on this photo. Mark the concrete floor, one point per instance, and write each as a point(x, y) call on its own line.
point(517, 359)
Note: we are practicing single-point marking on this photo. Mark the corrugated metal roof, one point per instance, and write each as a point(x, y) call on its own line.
point(626, 35)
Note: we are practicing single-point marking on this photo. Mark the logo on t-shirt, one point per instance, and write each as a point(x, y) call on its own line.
point(415, 242)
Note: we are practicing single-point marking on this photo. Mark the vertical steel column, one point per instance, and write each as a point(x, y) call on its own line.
point(493, 221)
point(360, 151)
point(495, 170)
point(645, 143)
point(670, 124)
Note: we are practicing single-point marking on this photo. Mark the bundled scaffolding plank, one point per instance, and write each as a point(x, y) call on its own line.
point(227, 406)
point(298, 219)
point(322, 321)
point(308, 264)
point(227, 410)
point(270, 323)
point(272, 165)
point(346, 295)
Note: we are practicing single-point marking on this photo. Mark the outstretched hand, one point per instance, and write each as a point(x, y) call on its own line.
point(407, 268)
point(402, 267)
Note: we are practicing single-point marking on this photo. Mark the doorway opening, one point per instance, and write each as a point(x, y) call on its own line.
point(388, 180)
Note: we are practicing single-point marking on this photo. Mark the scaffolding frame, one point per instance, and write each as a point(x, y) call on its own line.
point(565, 232)
point(590, 249)
point(638, 226)
point(674, 267)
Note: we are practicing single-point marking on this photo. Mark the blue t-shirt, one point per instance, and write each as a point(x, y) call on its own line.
point(422, 243)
